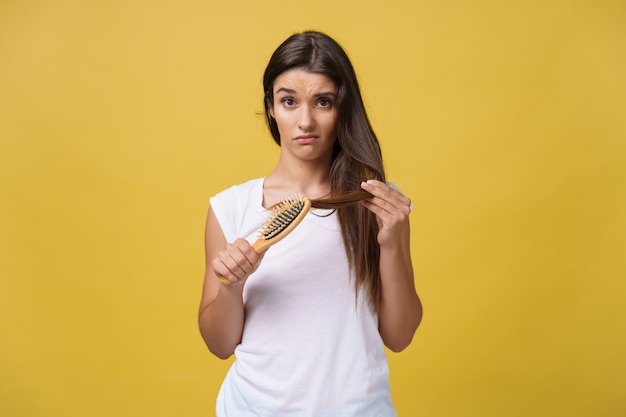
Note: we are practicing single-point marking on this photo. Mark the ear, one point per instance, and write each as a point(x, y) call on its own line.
point(271, 108)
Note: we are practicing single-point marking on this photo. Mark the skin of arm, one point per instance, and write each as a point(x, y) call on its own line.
point(221, 314)
point(400, 311)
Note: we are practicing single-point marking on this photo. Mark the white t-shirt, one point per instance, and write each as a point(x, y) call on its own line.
point(310, 346)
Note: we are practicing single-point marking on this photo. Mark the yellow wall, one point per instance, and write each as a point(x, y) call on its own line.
point(504, 121)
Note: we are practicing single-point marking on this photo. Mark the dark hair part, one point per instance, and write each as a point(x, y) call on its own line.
point(357, 155)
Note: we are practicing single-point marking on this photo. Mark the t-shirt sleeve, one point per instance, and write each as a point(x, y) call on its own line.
point(239, 211)
point(225, 212)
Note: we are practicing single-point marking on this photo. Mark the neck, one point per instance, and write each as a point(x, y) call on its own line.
point(287, 179)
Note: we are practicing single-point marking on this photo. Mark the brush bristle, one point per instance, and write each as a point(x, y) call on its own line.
point(283, 214)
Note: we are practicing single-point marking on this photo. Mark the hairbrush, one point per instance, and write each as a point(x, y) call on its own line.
point(285, 216)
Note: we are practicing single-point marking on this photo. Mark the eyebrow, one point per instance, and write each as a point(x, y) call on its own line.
point(286, 90)
point(290, 91)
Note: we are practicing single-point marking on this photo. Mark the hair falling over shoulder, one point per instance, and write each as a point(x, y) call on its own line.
point(357, 154)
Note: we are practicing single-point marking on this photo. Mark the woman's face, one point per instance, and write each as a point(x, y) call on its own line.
point(305, 112)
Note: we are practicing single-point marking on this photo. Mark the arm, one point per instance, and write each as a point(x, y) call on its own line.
point(400, 311)
point(221, 315)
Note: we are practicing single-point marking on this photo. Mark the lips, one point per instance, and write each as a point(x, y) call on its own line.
point(306, 139)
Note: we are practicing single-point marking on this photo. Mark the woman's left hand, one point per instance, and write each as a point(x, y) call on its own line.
point(400, 310)
point(391, 208)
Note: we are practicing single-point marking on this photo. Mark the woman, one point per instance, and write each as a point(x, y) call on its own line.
point(308, 319)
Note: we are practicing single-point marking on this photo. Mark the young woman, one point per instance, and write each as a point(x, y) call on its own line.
point(309, 318)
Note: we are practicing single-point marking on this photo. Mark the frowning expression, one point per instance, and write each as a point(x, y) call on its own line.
point(305, 112)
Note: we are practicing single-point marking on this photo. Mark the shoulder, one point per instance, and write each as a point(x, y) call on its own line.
point(237, 207)
point(246, 190)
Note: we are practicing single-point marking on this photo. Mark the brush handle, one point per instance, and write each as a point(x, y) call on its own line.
point(262, 244)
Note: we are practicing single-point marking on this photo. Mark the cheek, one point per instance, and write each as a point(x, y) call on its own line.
point(283, 123)
point(330, 123)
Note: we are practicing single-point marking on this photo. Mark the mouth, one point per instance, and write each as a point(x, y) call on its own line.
point(305, 139)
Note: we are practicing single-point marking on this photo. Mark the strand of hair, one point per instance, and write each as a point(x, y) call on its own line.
point(340, 200)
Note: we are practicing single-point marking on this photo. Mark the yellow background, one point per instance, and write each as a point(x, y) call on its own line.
point(503, 121)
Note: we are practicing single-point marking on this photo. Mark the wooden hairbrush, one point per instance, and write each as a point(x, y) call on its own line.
point(285, 216)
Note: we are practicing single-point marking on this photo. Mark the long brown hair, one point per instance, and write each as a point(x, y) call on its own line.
point(357, 155)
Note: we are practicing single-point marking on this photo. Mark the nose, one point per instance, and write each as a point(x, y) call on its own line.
point(306, 120)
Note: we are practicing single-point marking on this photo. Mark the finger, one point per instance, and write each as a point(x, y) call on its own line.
point(390, 196)
point(237, 261)
point(386, 207)
point(388, 216)
point(225, 266)
point(238, 264)
point(223, 273)
point(247, 251)
point(396, 196)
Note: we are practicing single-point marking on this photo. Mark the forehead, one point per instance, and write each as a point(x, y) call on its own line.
point(302, 81)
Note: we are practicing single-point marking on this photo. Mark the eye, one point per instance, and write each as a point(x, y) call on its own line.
point(288, 102)
point(324, 102)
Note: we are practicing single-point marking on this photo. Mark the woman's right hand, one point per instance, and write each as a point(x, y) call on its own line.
point(236, 262)
point(221, 315)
